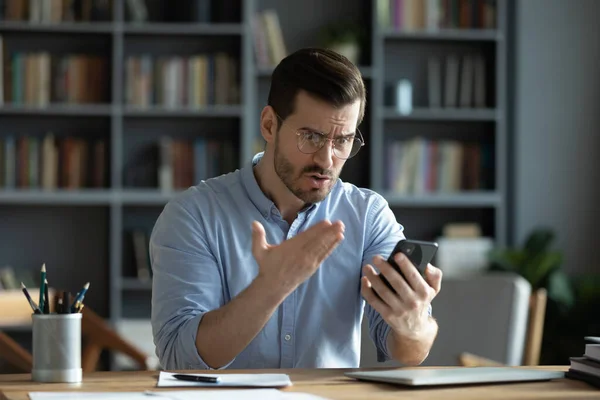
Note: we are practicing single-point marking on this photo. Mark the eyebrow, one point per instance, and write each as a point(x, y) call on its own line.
point(344, 135)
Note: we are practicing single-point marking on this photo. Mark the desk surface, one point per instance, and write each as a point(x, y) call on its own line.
point(328, 383)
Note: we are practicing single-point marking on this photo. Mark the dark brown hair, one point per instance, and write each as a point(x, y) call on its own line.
point(322, 73)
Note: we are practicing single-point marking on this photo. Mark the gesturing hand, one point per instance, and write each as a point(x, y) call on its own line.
point(406, 311)
point(290, 263)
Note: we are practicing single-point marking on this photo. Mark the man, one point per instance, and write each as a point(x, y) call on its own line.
point(263, 267)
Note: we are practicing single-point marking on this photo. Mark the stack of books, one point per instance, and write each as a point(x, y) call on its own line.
point(587, 367)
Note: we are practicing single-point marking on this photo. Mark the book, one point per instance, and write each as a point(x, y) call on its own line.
point(586, 368)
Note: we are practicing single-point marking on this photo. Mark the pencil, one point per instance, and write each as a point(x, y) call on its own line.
point(42, 281)
point(32, 304)
point(79, 297)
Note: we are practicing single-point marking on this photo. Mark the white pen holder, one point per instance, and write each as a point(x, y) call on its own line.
point(57, 348)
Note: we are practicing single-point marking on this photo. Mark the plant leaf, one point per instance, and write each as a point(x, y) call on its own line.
point(538, 241)
point(505, 259)
point(560, 289)
point(538, 269)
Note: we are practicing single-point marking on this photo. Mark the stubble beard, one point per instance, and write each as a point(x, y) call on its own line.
point(286, 172)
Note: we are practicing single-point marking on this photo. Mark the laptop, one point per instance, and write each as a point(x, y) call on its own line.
point(455, 376)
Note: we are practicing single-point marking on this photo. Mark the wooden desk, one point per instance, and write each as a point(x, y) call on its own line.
point(328, 383)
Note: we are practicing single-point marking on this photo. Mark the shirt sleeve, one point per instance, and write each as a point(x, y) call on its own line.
point(381, 238)
point(186, 285)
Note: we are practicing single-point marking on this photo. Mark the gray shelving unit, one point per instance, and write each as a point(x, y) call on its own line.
point(90, 244)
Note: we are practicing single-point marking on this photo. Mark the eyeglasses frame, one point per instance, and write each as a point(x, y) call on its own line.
point(298, 133)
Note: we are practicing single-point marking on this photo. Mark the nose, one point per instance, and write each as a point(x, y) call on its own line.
point(324, 157)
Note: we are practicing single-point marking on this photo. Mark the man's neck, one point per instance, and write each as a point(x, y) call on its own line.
point(272, 186)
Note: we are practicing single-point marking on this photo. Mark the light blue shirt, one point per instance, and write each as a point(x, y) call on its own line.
point(200, 250)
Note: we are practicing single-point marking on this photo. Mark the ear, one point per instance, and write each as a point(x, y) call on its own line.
point(268, 124)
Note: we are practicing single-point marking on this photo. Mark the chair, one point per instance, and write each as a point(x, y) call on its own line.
point(14, 354)
point(484, 315)
point(97, 335)
point(535, 332)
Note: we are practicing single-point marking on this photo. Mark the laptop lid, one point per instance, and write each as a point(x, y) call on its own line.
point(455, 376)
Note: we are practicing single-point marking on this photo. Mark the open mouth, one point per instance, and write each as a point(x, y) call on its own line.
point(318, 181)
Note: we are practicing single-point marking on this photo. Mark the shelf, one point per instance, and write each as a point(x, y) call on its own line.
point(55, 197)
point(443, 114)
point(135, 284)
point(182, 29)
point(145, 197)
point(71, 110)
point(63, 27)
point(221, 111)
point(465, 199)
point(265, 72)
point(483, 35)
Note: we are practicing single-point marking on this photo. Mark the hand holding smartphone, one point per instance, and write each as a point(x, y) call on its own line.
point(420, 253)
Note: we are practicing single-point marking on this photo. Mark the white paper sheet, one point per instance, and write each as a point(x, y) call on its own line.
point(88, 396)
point(166, 379)
point(218, 394)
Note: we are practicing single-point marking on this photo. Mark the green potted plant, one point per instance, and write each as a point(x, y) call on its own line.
point(343, 37)
point(539, 265)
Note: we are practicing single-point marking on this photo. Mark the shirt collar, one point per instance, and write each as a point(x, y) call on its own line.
point(258, 198)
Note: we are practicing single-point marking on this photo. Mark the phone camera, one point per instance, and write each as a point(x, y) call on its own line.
point(409, 250)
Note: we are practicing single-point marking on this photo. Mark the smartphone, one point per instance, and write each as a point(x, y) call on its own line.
point(419, 252)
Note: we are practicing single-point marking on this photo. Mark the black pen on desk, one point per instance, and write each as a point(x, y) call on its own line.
point(197, 378)
point(42, 285)
point(46, 298)
point(66, 300)
point(60, 307)
point(33, 306)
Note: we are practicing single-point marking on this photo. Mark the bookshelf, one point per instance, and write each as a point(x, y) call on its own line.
point(82, 232)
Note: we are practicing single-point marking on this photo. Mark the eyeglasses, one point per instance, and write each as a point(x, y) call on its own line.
point(344, 147)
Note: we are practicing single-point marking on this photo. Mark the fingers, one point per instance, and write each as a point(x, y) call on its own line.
point(399, 284)
point(321, 239)
point(411, 274)
point(433, 276)
point(259, 241)
point(390, 298)
point(370, 297)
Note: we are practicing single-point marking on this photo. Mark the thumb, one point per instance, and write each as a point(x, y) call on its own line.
point(259, 241)
point(433, 276)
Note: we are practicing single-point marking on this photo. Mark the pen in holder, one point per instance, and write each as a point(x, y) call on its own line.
point(57, 348)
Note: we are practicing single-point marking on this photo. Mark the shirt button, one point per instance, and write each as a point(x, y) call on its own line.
point(288, 337)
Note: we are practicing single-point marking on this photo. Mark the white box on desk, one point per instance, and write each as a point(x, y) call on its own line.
point(458, 257)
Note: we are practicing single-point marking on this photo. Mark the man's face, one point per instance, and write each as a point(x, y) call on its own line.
point(310, 177)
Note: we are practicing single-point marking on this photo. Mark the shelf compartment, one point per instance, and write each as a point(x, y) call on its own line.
point(219, 111)
point(443, 114)
point(185, 29)
point(67, 110)
point(427, 223)
point(458, 199)
point(86, 197)
point(62, 27)
point(71, 241)
point(470, 35)
point(266, 72)
point(145, 197)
